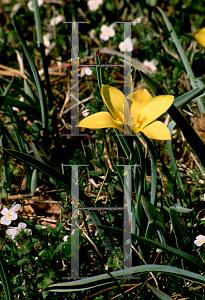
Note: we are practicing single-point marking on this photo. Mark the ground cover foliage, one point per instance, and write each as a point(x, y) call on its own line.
point(166, 177)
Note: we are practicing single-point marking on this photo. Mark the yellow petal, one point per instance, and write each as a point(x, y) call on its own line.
point(100, 120)
point(157, 130)
point(139, 99)
point(116, 102)
point(200, 36)
point(156, 108)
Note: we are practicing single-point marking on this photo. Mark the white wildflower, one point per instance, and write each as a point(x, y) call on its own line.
point(10, 214)
point(86, 70)
point(151, 65)
point(56, 20)
point(126, 45)
point(200, 240)
point(16, 230)
point(94, 4)
point(65, 238)
point(46, 39)
point(107, 32)
point(85, 112)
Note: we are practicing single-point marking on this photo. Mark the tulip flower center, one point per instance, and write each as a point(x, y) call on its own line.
point(121, 117)
point(136, 122)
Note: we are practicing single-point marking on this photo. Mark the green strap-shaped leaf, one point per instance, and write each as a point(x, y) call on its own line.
point(178, 229)
point(174, 163)
point(21, 92)
point(96, 281)
point(5, 279)
point(183, 57)
point(42, 51)
point(42, 99)
point(181, 209)
point(151, 211)
point(22, 105)
point(165, 248)
point(154, 87)
point(161, 295)
point(34, 181)
point(191, 95)
point(153, 159)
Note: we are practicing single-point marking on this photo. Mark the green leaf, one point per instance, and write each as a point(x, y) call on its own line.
point(151, 211)
point(174, 163)
point(21, 92)
point(60, 226)
point(161, 295)
point(29, 91)
point(21, 105)
point(4, 131)
point(154, 87)
point(95, 173)
point(5, 278)
point(189, 96)
point(100, 147)
point(153, 159)
point(60, 247)
point(97, 164)
point(163, 247)
point(34, 181)
point(6, 92)
point(183, 57)
point(110, 218)
point(181, 209)
point(189, 133)
point(42, 51)
point(23, 261)
point(178, 229)
point(42, 99)
point(100, 280)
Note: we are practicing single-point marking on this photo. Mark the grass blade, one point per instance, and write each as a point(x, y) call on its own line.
point(5, 279)
point(183, 57)
point(42, 99)
point(42, 50)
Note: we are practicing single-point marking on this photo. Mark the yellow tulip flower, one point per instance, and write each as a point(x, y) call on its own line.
point(200, 36)
point(144, 110)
